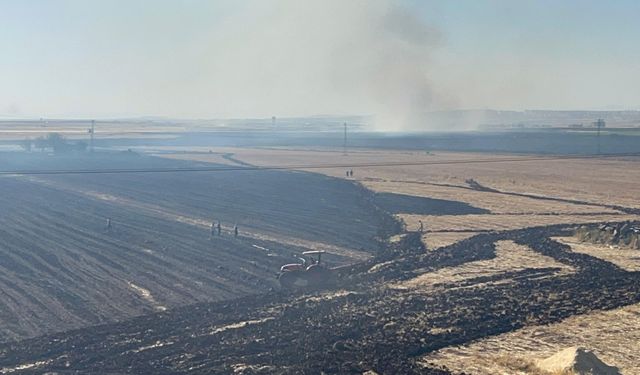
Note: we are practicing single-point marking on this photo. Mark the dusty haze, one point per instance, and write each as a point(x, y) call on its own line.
point(391, 61)
point(302, 57)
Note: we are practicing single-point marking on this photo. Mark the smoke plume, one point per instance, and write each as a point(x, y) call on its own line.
point(340, 57)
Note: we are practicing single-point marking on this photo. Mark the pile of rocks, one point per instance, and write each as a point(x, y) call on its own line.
point(623, 234)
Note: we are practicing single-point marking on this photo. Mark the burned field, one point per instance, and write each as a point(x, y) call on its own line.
point(61, 268)
point(363, 325)
point(491, 262)
point(409, 204)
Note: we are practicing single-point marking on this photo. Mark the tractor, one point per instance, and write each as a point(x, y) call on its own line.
point(306, 273)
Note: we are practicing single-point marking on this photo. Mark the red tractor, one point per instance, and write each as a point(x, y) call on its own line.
point(307, 273)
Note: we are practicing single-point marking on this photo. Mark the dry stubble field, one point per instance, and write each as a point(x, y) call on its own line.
point(528, 193)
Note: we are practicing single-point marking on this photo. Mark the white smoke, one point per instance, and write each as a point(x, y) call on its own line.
point(333, 57)
point(252, 58)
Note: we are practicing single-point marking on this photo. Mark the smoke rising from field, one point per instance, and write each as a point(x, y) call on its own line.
point(255, 58)
point(393, 59)
point(351, 57)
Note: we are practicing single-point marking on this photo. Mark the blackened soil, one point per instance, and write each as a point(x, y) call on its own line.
point(61, 269)
point(364, 325)
point(408, 204)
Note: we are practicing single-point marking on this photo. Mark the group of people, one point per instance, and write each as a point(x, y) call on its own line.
point(217, 228)
point(350, 173)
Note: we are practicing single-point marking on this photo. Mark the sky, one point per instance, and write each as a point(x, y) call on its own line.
point(258, 58)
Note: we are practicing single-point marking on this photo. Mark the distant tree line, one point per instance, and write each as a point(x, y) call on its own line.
point(55, 142)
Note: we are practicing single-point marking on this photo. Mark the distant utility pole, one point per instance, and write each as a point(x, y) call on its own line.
point(344, 144)
point(91, 132)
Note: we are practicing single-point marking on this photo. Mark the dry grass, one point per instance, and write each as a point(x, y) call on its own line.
point(627, 259)
point(476, 223)
point(440, 239)
point(494, 202)
point(525, 366)
point(509, 257)
point(609, 181)
point(520, 365)
point(598, 181)
point(613, 335)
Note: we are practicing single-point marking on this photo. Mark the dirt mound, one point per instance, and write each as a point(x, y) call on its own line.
point(576, 360)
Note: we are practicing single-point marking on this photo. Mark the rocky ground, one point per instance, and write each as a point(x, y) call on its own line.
point(626, 234)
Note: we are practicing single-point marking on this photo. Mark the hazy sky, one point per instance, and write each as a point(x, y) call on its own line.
point(195, 59)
